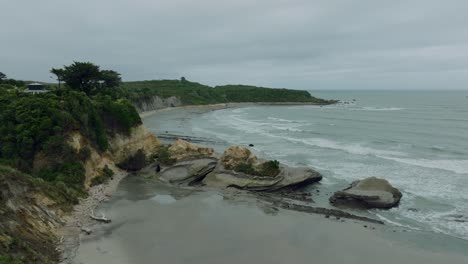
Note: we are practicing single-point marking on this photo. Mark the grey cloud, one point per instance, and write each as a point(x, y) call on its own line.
point(302, 44)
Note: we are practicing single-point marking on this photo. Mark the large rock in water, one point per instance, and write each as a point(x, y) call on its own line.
point(371, 193)
point(181, 150)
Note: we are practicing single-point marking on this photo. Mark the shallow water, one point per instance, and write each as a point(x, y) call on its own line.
point(416, 140)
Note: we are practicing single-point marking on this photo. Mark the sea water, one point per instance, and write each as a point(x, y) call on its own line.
point(417, 140)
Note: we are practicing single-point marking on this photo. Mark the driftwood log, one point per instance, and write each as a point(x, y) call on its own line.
point(103, 218)
point(86, 230)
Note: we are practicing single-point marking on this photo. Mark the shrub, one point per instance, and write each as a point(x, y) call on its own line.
point(135, 162)
point(246, 168)
point(164, 157)
point(9, 260)
point(270, 168)
point(105, 175)
point(84, 153)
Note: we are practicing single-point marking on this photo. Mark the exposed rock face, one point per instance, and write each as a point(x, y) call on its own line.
point(156, 102)
point(227, 179)
point(121, 147)
point(188, 172)
point(198, 164)
point(28, 216)
point(181, 150)
point(236, 155)
point(371, 193)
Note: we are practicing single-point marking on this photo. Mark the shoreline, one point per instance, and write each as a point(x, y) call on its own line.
point(75, 223)
point(212, 107)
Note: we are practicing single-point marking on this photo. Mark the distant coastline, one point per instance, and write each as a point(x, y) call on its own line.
point(211, 107)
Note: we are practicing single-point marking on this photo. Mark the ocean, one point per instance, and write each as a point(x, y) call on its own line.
point(417, 140)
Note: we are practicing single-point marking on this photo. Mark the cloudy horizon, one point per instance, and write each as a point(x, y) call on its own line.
point(296, 44)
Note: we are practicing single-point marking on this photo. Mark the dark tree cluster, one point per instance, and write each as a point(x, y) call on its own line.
point(87, 77)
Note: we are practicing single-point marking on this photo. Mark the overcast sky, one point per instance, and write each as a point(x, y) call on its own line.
point(303, 44)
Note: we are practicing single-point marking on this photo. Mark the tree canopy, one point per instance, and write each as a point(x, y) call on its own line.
point(87, 77)
point(2, 76)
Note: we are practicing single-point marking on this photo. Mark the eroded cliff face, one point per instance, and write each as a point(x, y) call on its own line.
point(30, 212)
point(121, 147)
point(156, 102)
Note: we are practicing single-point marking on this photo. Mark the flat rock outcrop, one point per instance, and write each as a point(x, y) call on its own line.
point(181, 150)
point(288, 177)
point(370, 193)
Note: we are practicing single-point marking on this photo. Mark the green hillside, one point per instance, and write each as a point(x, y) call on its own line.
point(193, 93)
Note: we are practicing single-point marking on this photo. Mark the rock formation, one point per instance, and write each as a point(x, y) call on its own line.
point(181, 150)
point(370, 193)
point(189, 171)
point(121, 147)
point(236, 155)
point(197, 164)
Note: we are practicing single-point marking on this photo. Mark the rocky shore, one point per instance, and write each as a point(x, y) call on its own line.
point(238, 168)
point(187, 165)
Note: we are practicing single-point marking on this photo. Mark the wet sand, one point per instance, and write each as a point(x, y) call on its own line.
point(155, 223)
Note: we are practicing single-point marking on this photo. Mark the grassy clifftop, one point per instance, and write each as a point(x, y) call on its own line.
point(192, 93)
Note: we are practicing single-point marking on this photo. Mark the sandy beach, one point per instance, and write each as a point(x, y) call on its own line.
point(212, 107)
point(79, 220)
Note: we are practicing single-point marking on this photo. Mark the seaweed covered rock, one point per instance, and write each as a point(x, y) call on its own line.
point(370, 193)
point(181, 150)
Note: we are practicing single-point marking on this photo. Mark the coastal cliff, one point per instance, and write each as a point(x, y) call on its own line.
point(33, 212)
point(121, 147)
point(155, 102)
point(157, 94)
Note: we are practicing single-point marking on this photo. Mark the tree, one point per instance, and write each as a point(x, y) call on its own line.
point(82, 76)
point(2, 77)
point(110, 78)
point(60, 74)
point(87, 77)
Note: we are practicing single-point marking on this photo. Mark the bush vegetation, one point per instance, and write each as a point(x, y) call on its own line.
point(105, 175)
point(164, 157)
point(269, 168)
point(193, 93)
point(34, 128)
point(135, 162)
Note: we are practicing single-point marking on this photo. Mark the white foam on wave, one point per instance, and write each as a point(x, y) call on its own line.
point(353, 148)
point(385, 219)
point(457, 166)
point(369, 108)
point(442, 222)
point(283, 120)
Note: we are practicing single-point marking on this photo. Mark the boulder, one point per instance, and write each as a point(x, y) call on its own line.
point(370, 193)
point(181, 150)
point(297, 177)
point(188, 171)
point(236, 155)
